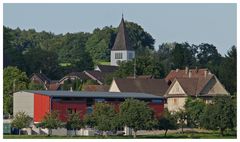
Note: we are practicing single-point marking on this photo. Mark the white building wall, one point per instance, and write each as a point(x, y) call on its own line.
point(23, 101)
point(125, 56)
point(114, 87)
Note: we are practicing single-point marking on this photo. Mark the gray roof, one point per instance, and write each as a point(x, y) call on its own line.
point(84, 94)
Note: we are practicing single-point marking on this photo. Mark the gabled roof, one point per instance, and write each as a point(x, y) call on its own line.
point(96, 75)
point(96, 88)
point(42, 77)
point(195, 73)
point(122, 40)
point(152, 86)
point(107, 68)
point(192, 86)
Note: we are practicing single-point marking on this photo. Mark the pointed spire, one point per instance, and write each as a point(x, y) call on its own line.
point(122, 39)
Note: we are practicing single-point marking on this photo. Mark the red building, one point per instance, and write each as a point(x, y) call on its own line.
point(37, 103)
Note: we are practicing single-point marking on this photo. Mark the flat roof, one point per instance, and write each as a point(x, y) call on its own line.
point(85, 94)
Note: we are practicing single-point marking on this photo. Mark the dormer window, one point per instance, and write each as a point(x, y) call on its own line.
point(118, 55)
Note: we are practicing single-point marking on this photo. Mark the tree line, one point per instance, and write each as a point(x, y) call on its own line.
point(135, 114)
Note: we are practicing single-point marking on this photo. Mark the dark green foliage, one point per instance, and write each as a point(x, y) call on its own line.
point(34, 86)
point(89, 121)
point(194, 109)
point(75, 85)
point(13, 80)
point(220, 115)
point(228, 71)
point(51, 121)
point(105, 117)
point(100, 43)
point(140, 39)
point(167, 122)
point(74, 122)
point(21, 120)
point(135, 114)
point(181, 117)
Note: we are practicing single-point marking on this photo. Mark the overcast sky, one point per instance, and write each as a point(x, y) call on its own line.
point(194, 23)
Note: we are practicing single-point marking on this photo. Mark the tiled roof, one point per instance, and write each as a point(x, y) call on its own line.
point(151, 86)
point(191, 86)
point(96, 75)
point(195, 73)
point(42, 77)
point(107, 68)
point(96, 88)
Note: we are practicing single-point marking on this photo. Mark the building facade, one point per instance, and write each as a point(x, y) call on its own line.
point(37, 103)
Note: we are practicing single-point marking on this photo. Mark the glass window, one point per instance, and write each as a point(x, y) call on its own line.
point(99, 100)
point(118, 55)
point(157, 101)
point(130, 55)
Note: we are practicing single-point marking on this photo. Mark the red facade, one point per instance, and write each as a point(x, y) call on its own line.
point(62, 107)
point(41, 106)
point(157, 108)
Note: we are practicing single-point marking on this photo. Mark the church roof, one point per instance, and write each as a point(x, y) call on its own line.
point(122, 39)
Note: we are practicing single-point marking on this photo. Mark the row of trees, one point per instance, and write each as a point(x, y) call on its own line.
point(135, 114)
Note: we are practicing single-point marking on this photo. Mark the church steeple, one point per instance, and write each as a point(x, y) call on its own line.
point(122, 39)
point(122, 50)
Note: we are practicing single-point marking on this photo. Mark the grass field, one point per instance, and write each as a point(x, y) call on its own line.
point(169, 136)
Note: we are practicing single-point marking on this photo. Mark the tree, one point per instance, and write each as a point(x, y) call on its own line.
point(37, 59)
point(228, 71)
point(89, 120)
point(135, 114)
point(74, 122)
point(51, 121)
point(194, 109)
point(181, 117)
point(167, 122)
point(21, 120)
point(13, 80)
point(221, 114)
point(104, 115)
point(34, 86)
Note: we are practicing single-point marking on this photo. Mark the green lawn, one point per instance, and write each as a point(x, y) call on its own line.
point(169, 136)
point(104, 63)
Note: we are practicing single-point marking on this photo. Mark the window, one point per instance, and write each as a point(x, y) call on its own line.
point(99, 100)
point(118, 55)
point(130, 55)
point(157, 101)
point(175, 102)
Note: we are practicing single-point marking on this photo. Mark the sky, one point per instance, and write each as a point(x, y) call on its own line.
point(193, 23)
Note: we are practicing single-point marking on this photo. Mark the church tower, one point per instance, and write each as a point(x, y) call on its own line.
point(122, 50)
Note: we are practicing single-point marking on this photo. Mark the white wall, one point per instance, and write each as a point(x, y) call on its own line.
point(125, 56)
point(23, 101)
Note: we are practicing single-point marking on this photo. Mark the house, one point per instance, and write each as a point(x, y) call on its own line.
point(122, 49)
point(156, 87)
point(205, 88)
point(193, 73)
point(42, 79)
point(73, 76)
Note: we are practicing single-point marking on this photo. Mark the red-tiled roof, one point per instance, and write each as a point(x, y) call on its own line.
point(194, 73)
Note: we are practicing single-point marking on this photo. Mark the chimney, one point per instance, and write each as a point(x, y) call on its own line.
point(177, 70)
point(196, 69)
point(40, 71)
point(190, 74)
point(71, 90)
point(186, 70)
point(45, 82)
